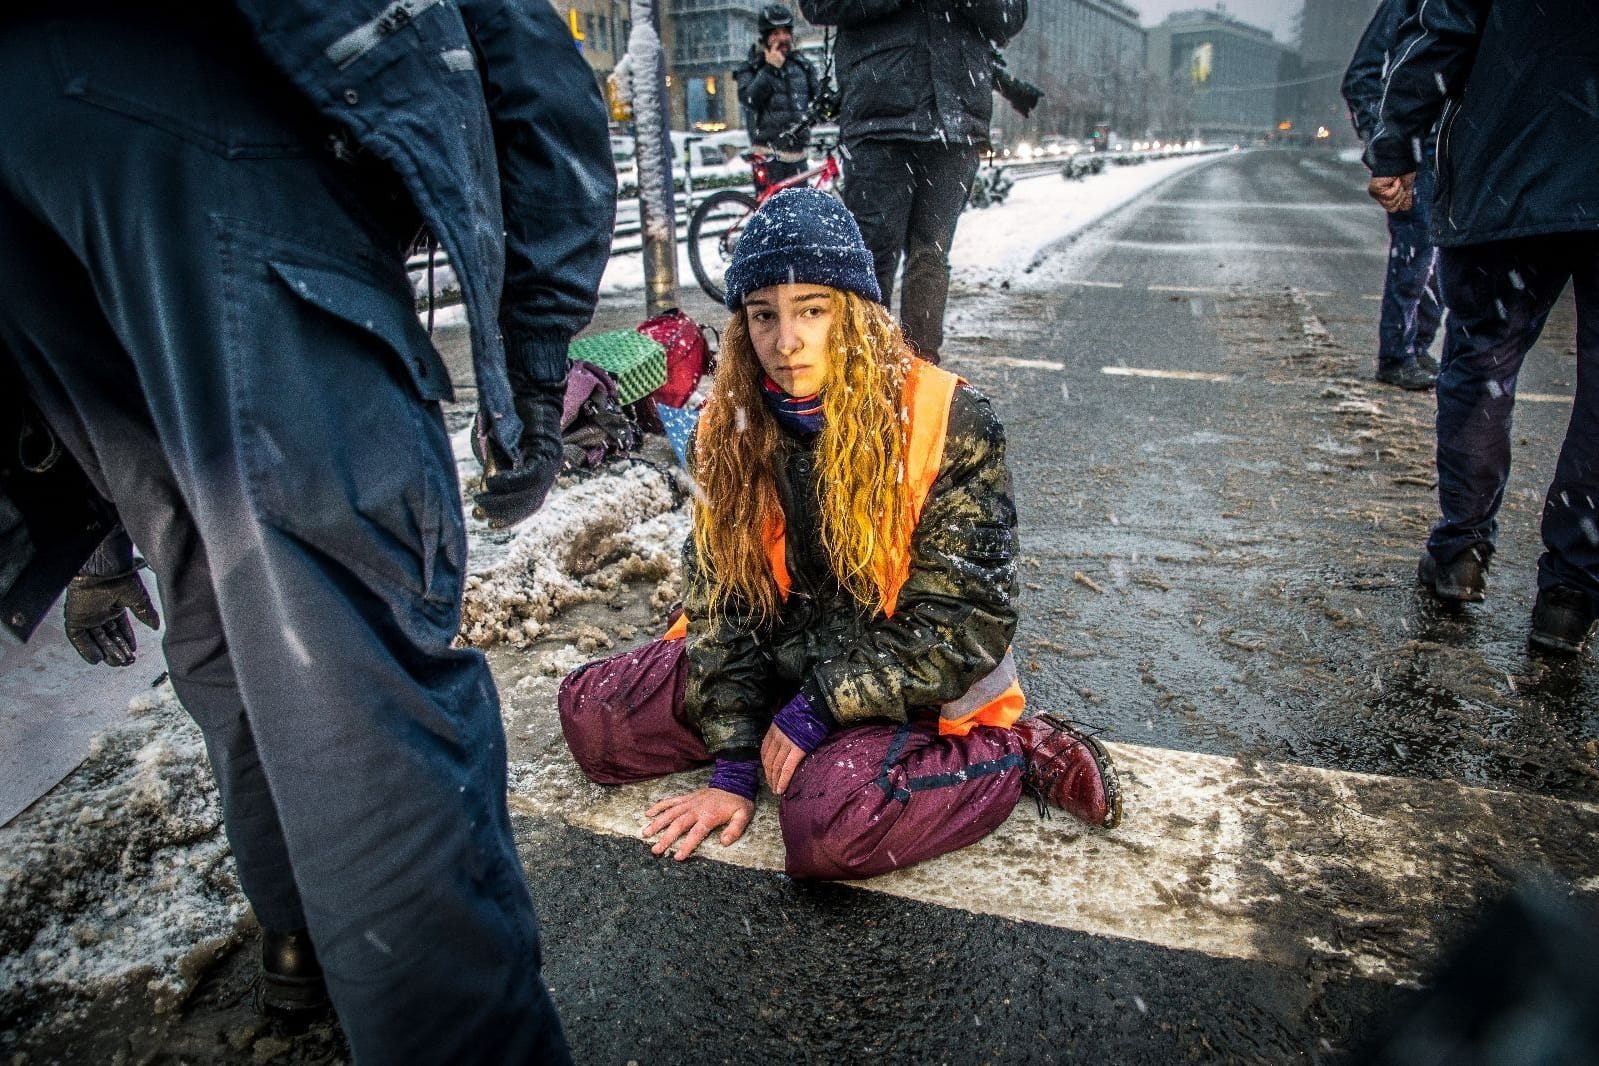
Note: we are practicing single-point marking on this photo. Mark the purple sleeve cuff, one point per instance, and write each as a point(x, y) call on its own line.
point(739, 778)
point(800, 721)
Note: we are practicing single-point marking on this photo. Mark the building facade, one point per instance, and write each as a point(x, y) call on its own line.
point(706, 40)
point(1328, 33)
point(1088, 58)
point(599, 29)
point(1238, 78)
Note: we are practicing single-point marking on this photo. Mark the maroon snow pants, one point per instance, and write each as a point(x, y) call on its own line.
point(872, 798)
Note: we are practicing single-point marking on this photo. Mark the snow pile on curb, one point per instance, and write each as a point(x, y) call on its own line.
point(120, 877)
point(1007, 243)
point(584, 543)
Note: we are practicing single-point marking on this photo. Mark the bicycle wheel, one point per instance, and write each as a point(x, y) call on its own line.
point(713, 232)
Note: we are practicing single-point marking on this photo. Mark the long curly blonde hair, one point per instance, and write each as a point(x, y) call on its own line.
point(860, 464)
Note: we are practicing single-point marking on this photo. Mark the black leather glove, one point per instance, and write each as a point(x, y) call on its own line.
point(96, 613)
point(512, 493)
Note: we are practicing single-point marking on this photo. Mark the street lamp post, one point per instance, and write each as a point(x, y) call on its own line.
point(657, 211)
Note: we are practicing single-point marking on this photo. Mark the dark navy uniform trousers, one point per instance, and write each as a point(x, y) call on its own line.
point(1499, 296)
point(216, 321)
point(1411, 302)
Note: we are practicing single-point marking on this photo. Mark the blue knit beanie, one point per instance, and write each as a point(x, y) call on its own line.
point(801, 236)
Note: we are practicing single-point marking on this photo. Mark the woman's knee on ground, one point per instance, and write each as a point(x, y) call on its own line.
point(878, 798)
point(622, 716)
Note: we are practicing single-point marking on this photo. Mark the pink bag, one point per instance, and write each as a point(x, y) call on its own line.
point(622, 716)
point(688, 355)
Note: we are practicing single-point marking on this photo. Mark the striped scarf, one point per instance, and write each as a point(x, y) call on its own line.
point(798, 415)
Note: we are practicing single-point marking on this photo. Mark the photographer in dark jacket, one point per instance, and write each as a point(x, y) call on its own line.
point(775, 87)
point(1515, 217)
point(1411, 303)
point(917, 80)
point(207, 207)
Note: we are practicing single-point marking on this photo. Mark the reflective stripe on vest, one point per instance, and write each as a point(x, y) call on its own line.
point(994, 699)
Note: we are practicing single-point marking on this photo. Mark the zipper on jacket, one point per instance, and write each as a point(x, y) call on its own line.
point(1446, 126)
point(367, 36)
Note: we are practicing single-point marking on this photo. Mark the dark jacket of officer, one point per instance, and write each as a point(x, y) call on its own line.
point(1365, 78)
point(495, 125)
point(920, 70)
point(1511, 86)
point(952, 624)
point(774, 100)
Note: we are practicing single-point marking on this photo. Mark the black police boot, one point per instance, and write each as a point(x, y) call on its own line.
point(1460, 580)
point(291, 978)
point(1407, 375)
point(1561, 620)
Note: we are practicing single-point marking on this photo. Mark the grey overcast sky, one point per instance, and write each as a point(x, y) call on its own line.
point(1274, 15)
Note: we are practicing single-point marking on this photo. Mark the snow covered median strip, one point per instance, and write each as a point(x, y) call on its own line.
point(1007, 241)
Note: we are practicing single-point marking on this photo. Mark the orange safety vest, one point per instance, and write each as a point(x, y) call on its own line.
point(994, 699)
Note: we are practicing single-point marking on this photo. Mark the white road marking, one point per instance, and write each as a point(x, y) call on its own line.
point(1266, 205)
point(1010, 360)
point(1247, 246)
point(1542, 397)
point(1240, 859)
point(1094, 284)
point(1208, 290)
point(1176, 375)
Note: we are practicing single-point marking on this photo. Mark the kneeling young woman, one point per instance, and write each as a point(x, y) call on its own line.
point(849, 595)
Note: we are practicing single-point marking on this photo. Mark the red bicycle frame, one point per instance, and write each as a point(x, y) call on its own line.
point(827, 172)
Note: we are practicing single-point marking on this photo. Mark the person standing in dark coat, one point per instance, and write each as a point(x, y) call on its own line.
point(207, 208)
point(775, 88)
point(917, 83)
point(1516, 216)
point(1411, 304)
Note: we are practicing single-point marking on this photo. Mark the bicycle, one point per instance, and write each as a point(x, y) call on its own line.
point(718, 222)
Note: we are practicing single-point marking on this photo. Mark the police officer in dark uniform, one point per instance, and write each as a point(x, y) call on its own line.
point(1516, 217)
point(204, 212)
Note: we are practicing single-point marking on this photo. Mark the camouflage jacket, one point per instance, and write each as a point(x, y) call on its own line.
point(952, 623)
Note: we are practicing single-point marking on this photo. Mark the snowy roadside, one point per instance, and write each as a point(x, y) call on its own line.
point(1014, 236)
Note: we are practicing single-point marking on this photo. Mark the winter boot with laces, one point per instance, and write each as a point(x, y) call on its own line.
point(1070, 770)
point(291, 978)
point(1562, 617)
point(1460, 580)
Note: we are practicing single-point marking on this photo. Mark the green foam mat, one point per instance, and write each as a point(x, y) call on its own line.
point(636, 362)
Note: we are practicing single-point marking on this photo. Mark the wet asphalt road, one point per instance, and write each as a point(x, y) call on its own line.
point(1259, 536)
point(1220, 565)
point(1217, 567)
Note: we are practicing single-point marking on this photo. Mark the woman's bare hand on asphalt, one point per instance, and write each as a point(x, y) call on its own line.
point(689, 819)
point(780, 757)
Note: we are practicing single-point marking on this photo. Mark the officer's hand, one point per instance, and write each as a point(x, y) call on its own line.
point(513, 492)
point(776, 55)
point(1395, 194)
point(96, 613)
